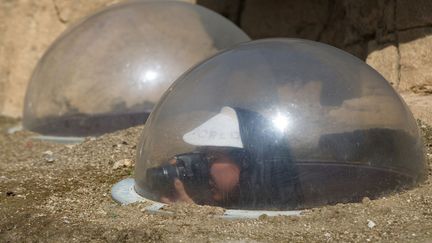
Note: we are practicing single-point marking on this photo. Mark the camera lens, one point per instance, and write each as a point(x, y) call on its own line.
point(160, 178)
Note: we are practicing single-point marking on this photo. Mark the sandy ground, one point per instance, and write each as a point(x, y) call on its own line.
point(68, 199)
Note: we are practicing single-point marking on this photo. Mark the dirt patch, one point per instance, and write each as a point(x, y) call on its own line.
point(68, 199)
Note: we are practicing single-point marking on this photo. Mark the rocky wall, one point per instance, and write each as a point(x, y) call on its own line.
point(393, 36)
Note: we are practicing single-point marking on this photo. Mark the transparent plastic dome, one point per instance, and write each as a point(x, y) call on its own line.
point(107, 71)
point(279, 124)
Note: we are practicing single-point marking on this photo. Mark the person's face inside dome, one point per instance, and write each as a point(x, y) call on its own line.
point(225, 176)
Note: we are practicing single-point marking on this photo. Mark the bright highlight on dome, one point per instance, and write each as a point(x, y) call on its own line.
point(107, 72)
point(278, 124)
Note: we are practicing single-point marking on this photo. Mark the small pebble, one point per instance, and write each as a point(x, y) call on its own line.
point(70, 146)
point(48, 156)
point(123, 163)
point(370, 224)
point(366, 200)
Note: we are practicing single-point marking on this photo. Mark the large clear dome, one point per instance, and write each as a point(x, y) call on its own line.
point(279, 124)
point(107, 72)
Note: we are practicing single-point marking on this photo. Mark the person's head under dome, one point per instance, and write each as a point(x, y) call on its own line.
point(241, 160)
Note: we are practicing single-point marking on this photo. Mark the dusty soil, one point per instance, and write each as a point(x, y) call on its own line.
point(68, 199)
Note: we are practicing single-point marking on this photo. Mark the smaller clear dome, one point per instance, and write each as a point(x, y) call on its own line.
point(279, 124)
point(106, 72)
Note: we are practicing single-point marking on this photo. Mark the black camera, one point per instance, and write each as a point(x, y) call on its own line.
point(191, 168)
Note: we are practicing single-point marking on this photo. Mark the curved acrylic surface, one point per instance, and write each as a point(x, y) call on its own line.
point(107, 71)
point(304, 123)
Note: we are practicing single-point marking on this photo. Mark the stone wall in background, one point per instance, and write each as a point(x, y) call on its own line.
point(393, 36)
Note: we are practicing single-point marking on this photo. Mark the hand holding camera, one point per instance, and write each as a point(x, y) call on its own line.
point(214, 174)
